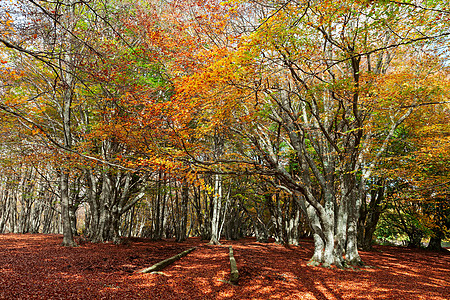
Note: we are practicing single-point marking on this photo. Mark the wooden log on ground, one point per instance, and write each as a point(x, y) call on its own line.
point(162, 264)
point(234, 273)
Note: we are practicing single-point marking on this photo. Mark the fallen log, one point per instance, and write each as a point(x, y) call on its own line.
point(234, 273)
point(162, 264)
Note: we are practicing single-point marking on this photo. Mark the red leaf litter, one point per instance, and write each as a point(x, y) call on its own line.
point(37, 267)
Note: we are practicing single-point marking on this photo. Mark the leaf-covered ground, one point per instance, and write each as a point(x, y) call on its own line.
point(37, 267)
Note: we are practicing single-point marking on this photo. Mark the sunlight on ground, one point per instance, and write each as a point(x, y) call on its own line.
point(325, 291)
point(441, 282)
point(204, 285)
point(102, 271)
point(221, 275)
point(227, 294)
point(406, 273)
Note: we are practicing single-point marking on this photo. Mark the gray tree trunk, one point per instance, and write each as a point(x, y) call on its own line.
point(64, 177)
point(217, 204)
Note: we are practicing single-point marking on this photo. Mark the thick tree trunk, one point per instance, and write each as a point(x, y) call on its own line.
point(415, 238)
point(329, 257)
point(341, 222)
point(435, 244)
point(332, 245)
point(316, 228)
point(351, 253)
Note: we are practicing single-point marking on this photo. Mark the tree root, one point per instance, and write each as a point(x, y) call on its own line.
point(313, 263)
point(355, 265)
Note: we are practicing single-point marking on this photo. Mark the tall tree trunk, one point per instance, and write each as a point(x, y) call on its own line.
point(65, 216)
point(216, 205)
point(181, 235)
point(351, 253)
point(64, 177)
point(293, 223)
point(369, 213)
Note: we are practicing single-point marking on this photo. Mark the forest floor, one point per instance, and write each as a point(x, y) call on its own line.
point(37, 267)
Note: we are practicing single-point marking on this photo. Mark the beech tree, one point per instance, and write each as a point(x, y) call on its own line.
point(418, 204)
point(239, 117)
point(28, 201)
point(306, 84)
point(51, 46)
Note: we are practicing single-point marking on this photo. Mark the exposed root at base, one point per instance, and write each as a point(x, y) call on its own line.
point(344, 265)
point(313, 263)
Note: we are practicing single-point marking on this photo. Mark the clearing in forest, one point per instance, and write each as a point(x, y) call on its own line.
point(37, 267)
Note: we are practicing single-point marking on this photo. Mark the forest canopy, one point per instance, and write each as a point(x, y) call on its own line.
point(281, 119)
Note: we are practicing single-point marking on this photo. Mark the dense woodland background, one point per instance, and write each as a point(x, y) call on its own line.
point(274, 119)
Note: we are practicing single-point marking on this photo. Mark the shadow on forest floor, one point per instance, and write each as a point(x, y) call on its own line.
point(37, 267)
